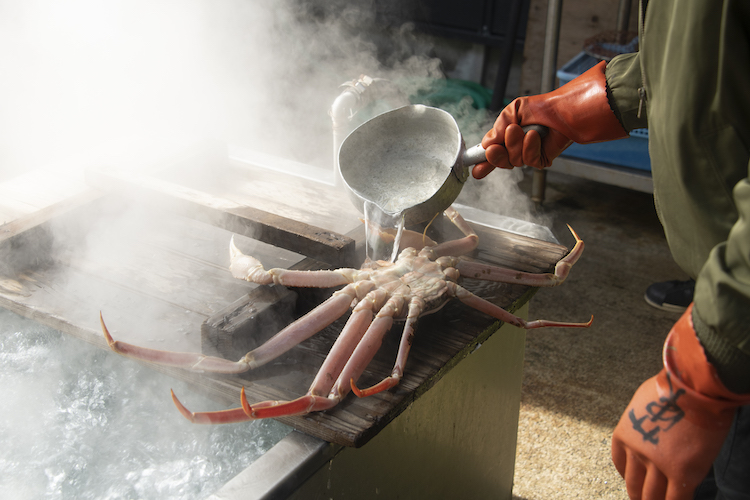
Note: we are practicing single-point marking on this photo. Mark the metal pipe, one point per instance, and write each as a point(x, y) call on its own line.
point(623, 15)
point(506, 58)
point(342, 110)
point(549, 69)
point(551, 42)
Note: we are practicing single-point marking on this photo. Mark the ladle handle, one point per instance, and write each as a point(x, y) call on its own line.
point(540, 129)
point(476, 154)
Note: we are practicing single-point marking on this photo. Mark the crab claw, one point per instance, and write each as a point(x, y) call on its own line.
point(274, 409)
point(383, 385)
point(212, 417)
point(543, 323)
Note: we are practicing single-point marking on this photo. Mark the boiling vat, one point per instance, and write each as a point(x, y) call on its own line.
point(80, 422)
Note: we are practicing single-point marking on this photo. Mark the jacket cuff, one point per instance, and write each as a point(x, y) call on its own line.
point(623, 74)
point(732, 365)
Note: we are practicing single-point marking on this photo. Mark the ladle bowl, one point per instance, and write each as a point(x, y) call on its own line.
point(411, 161)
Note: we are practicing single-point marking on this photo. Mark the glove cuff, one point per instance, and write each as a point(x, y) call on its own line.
point(580, 109)
point(687, 371)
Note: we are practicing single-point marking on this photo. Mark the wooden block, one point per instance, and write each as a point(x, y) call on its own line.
point(248, 322)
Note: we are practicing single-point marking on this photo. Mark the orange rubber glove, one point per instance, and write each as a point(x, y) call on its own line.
point(578, 111)
point(676, 423)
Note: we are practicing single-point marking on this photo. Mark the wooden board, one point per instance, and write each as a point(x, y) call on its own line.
point(33, 198)
point(292, 234)
point(152, 273)
point(442, 340)
point(157, 276)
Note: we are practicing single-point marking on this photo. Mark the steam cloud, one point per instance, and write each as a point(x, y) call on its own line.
point(84, 78)
point(261, 73)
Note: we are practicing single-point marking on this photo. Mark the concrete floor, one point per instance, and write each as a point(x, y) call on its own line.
point(578, 382)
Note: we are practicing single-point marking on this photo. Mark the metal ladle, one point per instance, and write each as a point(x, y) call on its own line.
point(411, 161)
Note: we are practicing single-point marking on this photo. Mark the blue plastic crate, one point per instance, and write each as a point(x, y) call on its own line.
point(630, 152)
point(576, 67)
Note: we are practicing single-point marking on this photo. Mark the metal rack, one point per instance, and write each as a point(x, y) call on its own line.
point(638, 180)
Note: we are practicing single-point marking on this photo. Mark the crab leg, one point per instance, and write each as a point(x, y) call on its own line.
point(249, 268)
point(497, 312)
point(493, 273)
point(230, 416)
point(275, 409)
point(368, 346)
point(350, 335)
point(312, 401)
point(460, 246)
point(298, 331)
point(349, 356)
point(318, 397)
point(416, 306)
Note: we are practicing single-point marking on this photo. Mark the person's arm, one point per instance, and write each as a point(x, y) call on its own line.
point(722, 299)
point(677, 421)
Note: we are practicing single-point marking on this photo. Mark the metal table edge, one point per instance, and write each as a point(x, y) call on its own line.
point(281, 470)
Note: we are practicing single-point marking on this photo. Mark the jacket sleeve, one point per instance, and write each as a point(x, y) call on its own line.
point(722, 296)
point(722, 300)
point(623, 83)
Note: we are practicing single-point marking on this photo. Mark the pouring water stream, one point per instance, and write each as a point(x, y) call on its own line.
point(376, 247)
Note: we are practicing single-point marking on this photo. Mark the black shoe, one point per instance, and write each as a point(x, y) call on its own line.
point(672, 296)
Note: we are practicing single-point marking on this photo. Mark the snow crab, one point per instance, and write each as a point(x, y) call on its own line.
point(420, 281)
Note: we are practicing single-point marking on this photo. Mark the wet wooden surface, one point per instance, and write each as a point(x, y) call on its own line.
point(158, 276)
point(32, 198)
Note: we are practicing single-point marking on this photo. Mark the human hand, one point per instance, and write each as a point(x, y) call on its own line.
point(660, 452)
point(676, 423)
point(578, 111)
point(508, 145)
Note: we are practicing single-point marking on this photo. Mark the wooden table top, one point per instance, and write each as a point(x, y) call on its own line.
point(151, 253)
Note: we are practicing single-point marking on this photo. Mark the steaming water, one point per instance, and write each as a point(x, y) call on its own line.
point(79, 422)
point(377, 246)
point(407, 181)
point(397, 239)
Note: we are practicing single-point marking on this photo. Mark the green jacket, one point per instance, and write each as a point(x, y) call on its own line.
point(694, 65)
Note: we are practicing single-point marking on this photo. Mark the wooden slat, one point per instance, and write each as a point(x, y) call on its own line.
point(34, 198)
point(310, 202)
point(286, 233)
